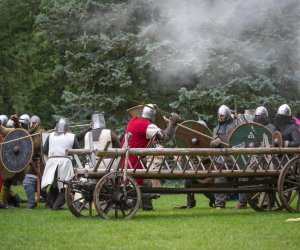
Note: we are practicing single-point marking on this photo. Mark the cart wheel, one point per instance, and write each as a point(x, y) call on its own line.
point(79, 198)
point(116, 198)
point(265, 201)
point(289, 186)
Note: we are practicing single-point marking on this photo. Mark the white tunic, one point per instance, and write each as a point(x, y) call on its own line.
point(57, 160)
point(100, 143)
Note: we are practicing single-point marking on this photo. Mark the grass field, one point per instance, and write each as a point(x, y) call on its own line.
point(164, 228)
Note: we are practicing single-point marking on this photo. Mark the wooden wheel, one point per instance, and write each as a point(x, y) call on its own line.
point(289, 186)
point(265, 201)
point(116, 198)
point(79, 198)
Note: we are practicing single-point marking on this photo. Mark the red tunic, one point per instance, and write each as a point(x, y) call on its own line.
point(137, 126)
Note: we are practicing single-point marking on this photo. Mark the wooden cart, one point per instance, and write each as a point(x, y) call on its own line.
point(269, 176)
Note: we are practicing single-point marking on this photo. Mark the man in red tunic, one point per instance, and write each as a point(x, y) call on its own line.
point(144, 131)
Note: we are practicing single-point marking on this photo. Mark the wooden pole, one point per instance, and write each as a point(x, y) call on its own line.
point(21, 138)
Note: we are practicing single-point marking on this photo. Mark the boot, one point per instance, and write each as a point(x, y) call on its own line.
point(190, 202)
point(51, 197)
point(5, 205)
point(14, 199)
point(211, 198)
point(60, 201)
point(2, 204)
point(147, 202)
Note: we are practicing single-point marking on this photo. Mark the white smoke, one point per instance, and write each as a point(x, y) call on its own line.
point(190, 29)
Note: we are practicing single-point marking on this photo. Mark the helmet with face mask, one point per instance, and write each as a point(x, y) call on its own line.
point(98, 121)
point(149, 112)
point(261, 116)
point(284, 109)
point(35, 119)
point(63, 125)
point(24, 120)
point(224, 111)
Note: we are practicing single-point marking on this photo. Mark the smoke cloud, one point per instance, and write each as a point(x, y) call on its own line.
point(189, 31)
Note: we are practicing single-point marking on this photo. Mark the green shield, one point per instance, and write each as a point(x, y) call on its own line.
point(249, 135)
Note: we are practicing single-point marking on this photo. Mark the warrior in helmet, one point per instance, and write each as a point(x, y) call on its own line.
point(143, 130)
point(7, 196)
point(24, 121)
point(190, 198)
point(35, 171)
point(221, 133)
point(58, 166)
point(97, 137)
point(100, 135)
point(287, 127)
point(262, 117)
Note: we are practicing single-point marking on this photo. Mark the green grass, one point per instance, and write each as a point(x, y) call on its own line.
point(164, 228)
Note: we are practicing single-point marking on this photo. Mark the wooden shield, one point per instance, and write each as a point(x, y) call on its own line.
point(17, 154)
point(159, 119)
point(248, 135)
point(277, 137)
point(186, 138)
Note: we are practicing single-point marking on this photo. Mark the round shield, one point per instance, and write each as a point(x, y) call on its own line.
point(276, 139)
point(17, 154)
point(159, 119)
point(195, 138)
point(249, 135)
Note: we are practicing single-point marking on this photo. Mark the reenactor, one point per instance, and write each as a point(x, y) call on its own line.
point(58, 167)
point(221, 133)
point(287, 127)
point(190, 198)
point(100, 136)
point(33, 176)
point(143, 130)
point(12, 179)
point(262, 117)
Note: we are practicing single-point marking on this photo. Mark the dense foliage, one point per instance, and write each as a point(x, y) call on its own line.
point(74, 58)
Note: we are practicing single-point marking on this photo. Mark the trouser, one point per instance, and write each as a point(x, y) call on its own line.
point(242, 198)
point(220, 198)
point(30, 186)
point(191, 198)
point(5, 190)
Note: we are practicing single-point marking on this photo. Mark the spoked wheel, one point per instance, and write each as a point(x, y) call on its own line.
point(265, 201)
point(289, 186)
point(116, 198)
point(79, 198)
